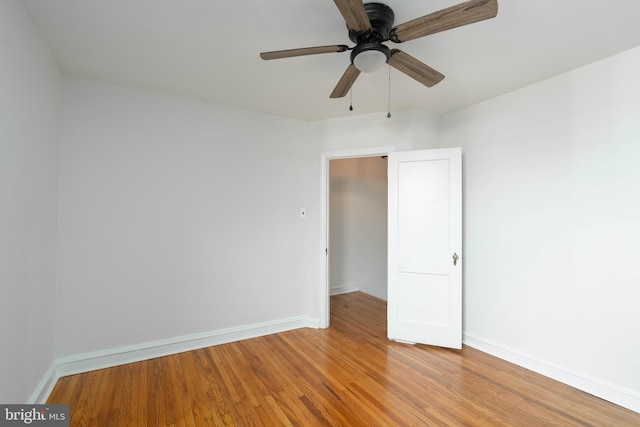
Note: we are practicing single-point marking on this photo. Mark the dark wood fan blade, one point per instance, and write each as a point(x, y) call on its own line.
point(414, 68)
point(446, 19)
point(346, 81)
point(277, 54)
point(354, 14)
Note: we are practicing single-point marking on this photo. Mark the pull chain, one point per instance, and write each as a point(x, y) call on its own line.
point(351, 100)
point(389, 98)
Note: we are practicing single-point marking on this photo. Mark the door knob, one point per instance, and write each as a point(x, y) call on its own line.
point(455, 258)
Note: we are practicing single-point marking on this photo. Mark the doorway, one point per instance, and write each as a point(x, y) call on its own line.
point(424, 246)
point(359, 238)
point(358, 226)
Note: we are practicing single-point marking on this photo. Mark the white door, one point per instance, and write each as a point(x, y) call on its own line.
point(425, 247)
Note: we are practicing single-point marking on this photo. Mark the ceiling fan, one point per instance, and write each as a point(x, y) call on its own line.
point(371, 24)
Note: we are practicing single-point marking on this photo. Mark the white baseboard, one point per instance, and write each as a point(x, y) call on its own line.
point(134, 353)
point(44, 387)
point(627, 398)
point(313, 323)
point(343, 290)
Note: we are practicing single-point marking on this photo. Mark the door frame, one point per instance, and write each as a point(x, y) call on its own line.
point(325, 158)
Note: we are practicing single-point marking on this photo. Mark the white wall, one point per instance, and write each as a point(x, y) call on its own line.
point(29, 143)
point(178, 217)
point(405, 130)
point(358, 225)
point(552, 223)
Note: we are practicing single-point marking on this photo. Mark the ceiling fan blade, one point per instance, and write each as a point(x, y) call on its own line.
point(277, 54)
point(446, 19)
point(346, 81)
point(414, 68)
point(354, 14)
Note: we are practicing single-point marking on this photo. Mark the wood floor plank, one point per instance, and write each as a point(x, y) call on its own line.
point(347, 375)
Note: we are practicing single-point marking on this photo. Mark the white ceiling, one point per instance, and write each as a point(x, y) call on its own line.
point(208, 49)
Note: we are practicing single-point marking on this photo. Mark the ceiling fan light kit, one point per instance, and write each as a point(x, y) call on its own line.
point(371, 24)
point(369, 57)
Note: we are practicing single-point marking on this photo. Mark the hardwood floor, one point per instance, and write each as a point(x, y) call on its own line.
point(348, 375)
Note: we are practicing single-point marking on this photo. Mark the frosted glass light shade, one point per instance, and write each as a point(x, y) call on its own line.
point(369, 61)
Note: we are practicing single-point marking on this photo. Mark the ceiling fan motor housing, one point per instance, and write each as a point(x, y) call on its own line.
point(381, 17)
